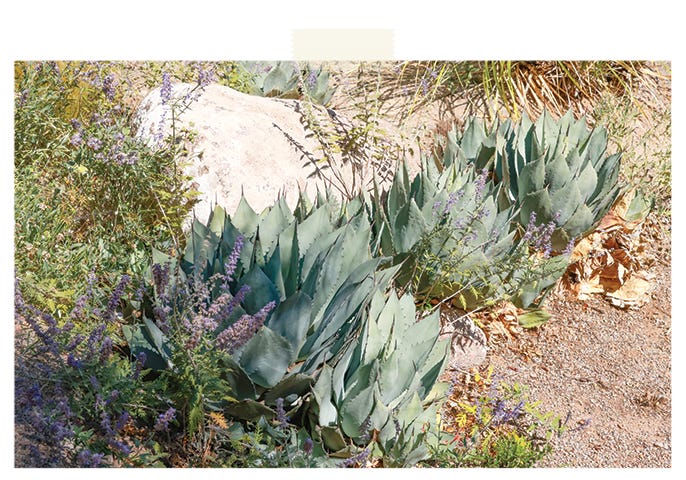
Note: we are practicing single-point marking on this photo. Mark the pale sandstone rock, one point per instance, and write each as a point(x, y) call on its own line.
point(244, 143)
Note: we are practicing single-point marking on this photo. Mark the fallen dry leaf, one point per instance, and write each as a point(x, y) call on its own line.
point(608, 261)
point(633, 293)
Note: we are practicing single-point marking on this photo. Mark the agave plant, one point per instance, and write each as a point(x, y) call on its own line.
point(384, 389)
point(445, 232)
point(557, 170)
point(283, 80)
point(316, 273)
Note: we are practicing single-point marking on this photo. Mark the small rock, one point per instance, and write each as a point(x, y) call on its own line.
point(468, 344)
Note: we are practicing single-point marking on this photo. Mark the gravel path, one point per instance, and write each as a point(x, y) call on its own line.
point(608, 365)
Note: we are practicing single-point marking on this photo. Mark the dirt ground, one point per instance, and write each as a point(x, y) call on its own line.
point(604, 364)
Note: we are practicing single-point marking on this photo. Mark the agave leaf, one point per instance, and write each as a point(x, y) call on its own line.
point(638, 208)
point(579, 223)
point(398, 193)
point(265, 357)
point(529, 290)
point(245, 219)
point(249, 410)
point(587, 182)
point(472, 138)
point(347, 252)
point(396, 375)
point(336, 318)
point(566, 201)
point(557, 174)
point(532, 177)
point(355, 409)
point(139, 340)
point(607, 175)
point(216, 221)
point(538, 202)
point(313, 259)
point(409, 410)
point(289, 252)
point(275, 82)
point(338, 376)
point(575, 163)
point(295, 385)
point(409, 227)
point(322, 390)
point(262, 290)
point(380, 413)
point(333, 439)
point(379, 325)
point(438, 392)
point(272, 222)
point(433, 366)
point(291, 319)
point(596, 146)
point(240, 384)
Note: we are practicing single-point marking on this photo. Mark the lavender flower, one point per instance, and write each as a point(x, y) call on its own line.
point(312, 80)
point(424, 85)
point(281, 414)
point(358, 459)
point(205, 76)
point(76, 140)
point(95, 338)
point(96, 386)
point(94, 144)
point(232, 262)
point(75, 342)
point(308, 446)
point(105, 349)
point(122, 420)
point(162, 423)
point(79, 305)
point(138, 366)
point(365, 430)
point(76, 125)
point(161, 315)
point(23, 98)
point(396, 424)
point(243, 330)
point(160, 276)
point(452, 201)
point(74, 362)
point(480, 184)
point(109, 431)
point(108, 87)
point(502, 415)
point(115, 299)
point(166, 89)
point(89, 460)
point(131, 158)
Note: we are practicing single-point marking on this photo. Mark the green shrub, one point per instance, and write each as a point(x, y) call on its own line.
point(88, 195)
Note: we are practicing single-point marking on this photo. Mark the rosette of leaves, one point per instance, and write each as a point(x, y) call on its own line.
point(289, 80)
point(315, 265)
point(445, 232)
point(558, 169)
point(384, 392)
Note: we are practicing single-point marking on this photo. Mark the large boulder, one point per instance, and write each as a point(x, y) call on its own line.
point(244, 144)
